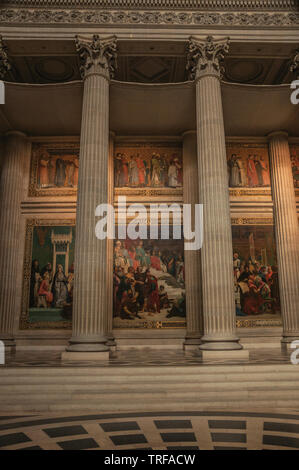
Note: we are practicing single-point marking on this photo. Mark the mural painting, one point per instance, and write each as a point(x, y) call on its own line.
point(294, 150)
point(49, 276)
point(149, 284)
point(147, 166)
point(54, 169)
point(248, 165)
point(255, 272)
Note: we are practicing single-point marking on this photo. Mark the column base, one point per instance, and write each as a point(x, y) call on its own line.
point(85, 356)
point(9, 344)
point(111, 343)
point(218, 355)
point(191, 342)
point(287, 339)
point(210, 343)
point(87, 344)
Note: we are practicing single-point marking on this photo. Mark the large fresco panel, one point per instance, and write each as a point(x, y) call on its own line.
point(144, 165)
point(248, 165)
point(149, 284)
point(54, 169)
point(255, 274)
point(48, 274)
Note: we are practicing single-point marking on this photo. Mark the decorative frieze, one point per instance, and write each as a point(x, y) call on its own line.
point(148, 17)
point(171, 4)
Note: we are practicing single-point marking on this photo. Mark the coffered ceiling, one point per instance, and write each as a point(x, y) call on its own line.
point(148, 62)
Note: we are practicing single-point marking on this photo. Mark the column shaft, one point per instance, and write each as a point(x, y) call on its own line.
point(192, 258)
point(286, 233)
point(90, 285)
point(111, 341)
point(15, 151)
point(216, 257)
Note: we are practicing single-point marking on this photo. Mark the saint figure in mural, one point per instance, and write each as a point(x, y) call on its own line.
point(252, 172)
point(141, 170)
point(60, 172)
point(265, 172)
point(234, 171)
point(45, 296)
point(133, 172)
point(59, 288)
point(35, 279)
point(155, 170)
point(51, 172)
point(172, 175)
point(43, 170)
point(259, 170)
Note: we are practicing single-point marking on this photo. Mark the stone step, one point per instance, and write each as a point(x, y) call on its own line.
point(102, 379)
point(104, 387)
point(147, 370)
point(146, 395)
point(185, 404)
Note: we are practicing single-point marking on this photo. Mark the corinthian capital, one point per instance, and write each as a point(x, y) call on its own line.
point(205, 58)
point(4, 62)
point(97, 55)
point(295, 63)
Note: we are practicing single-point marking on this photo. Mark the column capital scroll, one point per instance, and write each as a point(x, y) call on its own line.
point(276, 134)
point(206, 57)
point(5, 65)
point(97, 56)
point(295, 63)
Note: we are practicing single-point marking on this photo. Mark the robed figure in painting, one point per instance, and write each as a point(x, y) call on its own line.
point(43, 170)
point(234, 172)
point(35, 279)
point(60, 172)
point(251, 172)
point(59, 288)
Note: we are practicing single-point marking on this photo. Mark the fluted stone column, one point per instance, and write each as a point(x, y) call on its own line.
point(219, 313)
point(15, 153)
point(90, 285)
point(111, 340)
point(286, 233)
point(192, 258)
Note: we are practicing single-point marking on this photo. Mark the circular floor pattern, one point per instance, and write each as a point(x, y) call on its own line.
point(199, 430)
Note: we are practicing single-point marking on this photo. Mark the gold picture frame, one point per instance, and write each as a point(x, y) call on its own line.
point(24, 323)
point(52, 150)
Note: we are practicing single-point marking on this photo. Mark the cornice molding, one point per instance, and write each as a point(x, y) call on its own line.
point(237, 5)
point(38, 16)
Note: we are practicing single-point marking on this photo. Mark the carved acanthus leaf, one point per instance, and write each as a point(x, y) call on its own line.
point(4, 61)
point(97, 55)
point(206, 57)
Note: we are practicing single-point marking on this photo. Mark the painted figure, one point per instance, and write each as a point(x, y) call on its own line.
point(45, 296)
point(265, 172)
point(43, 171)
point(59, 288)
point(60, 172)
point(251, 172)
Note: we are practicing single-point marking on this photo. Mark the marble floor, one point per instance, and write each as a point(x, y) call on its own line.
point(199, 430)
point(144, 357)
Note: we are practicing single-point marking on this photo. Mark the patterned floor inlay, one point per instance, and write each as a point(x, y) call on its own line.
point(144, 358)
point(199, 430)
